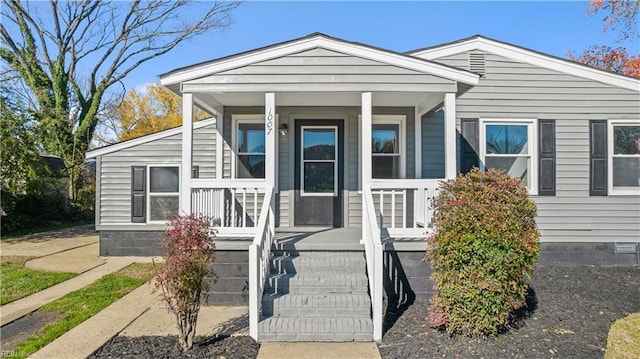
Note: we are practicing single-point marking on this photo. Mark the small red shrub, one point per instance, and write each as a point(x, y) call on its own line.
point(189, 253)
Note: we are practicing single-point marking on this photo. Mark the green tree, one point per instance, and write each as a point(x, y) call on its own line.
point(70, 53)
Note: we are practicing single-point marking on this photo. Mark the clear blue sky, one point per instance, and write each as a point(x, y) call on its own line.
point(553, 27)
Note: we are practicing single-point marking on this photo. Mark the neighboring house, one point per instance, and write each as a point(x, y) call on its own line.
point(319, 133)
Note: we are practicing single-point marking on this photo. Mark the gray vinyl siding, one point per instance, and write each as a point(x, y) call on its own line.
point(115, 170)
point(433, 157)
point(516, 90)
point(323, 70)
point(352, 198)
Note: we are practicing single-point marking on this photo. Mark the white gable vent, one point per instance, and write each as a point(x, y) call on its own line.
point(477, 62)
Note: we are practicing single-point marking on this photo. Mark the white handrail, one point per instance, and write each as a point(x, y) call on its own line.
point(373, 251)
point(259, 257)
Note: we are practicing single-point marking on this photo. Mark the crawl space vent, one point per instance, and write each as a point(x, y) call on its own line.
point(625, 248)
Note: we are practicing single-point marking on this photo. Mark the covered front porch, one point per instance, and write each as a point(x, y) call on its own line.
point(317, 132)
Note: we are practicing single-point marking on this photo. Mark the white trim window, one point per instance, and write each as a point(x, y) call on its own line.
point(624, 157)
point(319, 161)
point(249, 143)
point(388, 147)
point(510, 145)
point(163, 197)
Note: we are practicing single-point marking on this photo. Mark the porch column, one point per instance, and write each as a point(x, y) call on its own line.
point(450, 135)
point(187, 142)
point(270, 133)
point(366, 139)
point(219, 145)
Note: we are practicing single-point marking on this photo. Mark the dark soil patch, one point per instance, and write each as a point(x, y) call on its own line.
point(21, 329)
point(167, 347)
point(229, 342)
point(571, 311)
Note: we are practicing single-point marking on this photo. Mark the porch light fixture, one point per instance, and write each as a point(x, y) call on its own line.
point(283, 129)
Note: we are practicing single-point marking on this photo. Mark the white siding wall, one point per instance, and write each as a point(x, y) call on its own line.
point(115, 171)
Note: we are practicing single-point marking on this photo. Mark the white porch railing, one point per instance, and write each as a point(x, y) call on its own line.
point(405, 206)
point(373, 254)
point(233, 205)
point(259, 257)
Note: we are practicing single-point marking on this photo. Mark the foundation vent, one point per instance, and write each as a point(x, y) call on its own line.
point(625, 248)
point(477, 62)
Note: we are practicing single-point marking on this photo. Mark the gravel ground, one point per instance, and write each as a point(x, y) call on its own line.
point(570, 312)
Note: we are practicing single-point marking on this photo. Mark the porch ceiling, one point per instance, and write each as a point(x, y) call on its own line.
point(394, 99)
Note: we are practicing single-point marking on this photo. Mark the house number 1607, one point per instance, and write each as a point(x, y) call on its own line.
point(269, 123)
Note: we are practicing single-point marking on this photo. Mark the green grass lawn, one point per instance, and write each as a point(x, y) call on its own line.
point(78, 306)
point(19, 281)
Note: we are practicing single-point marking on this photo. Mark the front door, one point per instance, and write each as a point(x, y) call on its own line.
point(318, 172)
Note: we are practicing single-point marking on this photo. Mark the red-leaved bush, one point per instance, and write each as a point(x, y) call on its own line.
point(189, 253)
point(485, 246)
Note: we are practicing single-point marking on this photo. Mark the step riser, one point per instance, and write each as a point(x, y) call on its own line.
point(314, 312)
point(292, 268)
point(316, 337)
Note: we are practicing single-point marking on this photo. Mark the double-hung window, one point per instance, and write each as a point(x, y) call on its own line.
point(509, 145)
point(624, 153)
point(387, 136)
point(164, 192)
point(250, 142)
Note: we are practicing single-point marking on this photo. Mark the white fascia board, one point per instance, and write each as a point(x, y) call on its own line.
point(144, 139)
point(390, 58)
point(533, 58)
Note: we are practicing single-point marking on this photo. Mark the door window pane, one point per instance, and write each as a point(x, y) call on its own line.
point(319, 177)
point(164, 179)
point(319, 144)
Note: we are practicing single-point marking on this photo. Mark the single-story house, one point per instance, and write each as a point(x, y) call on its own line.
point(322, 155)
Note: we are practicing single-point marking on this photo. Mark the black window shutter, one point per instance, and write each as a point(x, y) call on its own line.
point(547, 157)
point(469, 144)
point(598, 158)
point(138, 194)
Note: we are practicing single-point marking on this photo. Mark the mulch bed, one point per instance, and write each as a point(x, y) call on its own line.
point(240, 347)
point(569, 315)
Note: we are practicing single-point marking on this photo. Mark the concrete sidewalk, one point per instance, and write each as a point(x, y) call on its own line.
point(47, 243)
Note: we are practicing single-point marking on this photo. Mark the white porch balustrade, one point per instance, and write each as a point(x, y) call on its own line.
point(404, 207)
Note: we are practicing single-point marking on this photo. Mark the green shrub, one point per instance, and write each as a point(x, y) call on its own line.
point(485, 246)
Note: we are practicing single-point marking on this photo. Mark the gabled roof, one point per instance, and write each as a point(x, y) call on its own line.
point(532, 57)
point(144, 139)
point(312, 41)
